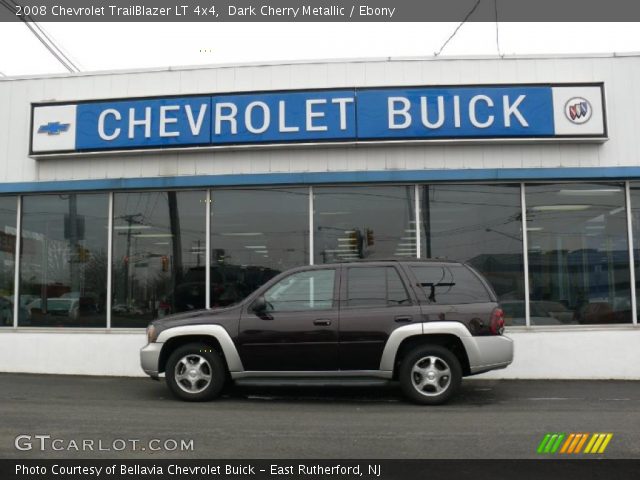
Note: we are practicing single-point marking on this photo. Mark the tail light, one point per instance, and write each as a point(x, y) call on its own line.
point(497, 322)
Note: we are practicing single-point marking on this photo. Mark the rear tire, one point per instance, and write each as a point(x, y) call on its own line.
point(195, 372)
point(430, 375)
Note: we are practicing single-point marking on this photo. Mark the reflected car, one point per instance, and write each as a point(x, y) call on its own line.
point(68, 307)
point(553, 309)
point(122, 308)
point(514, 313)
point(601, 312)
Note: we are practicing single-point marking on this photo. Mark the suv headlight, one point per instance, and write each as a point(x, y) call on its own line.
point(152, 334)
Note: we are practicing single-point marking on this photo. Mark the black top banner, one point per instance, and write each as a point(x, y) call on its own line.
point(320, 11)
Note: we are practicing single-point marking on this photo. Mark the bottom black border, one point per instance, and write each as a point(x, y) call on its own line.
point(544, 468)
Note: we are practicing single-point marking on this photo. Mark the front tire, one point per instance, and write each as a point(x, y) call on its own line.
point(195, 373)
point(430, 375)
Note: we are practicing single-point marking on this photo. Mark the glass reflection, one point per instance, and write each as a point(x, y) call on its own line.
point(364, 222)
point(8, 213)
point(480, 225)
point(635, 221)
point(578, 257)
point(255, 234)
point(158, 255)
point(63, 260)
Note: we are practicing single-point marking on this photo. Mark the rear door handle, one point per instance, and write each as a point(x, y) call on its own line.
point(324, 322)
point(403, 319)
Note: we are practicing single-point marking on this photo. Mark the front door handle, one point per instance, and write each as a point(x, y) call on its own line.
point(323, 322)
point(403, 319)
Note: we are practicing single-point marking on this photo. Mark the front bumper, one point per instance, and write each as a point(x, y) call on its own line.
point(488, 353)
point(150, 359)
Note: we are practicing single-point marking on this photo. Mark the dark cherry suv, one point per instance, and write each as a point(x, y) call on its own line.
point(424, 323)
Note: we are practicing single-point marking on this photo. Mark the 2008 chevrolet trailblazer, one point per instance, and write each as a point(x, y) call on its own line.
point(424, 323)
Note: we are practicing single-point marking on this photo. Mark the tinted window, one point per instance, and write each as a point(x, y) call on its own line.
point(63, 260)
point(480, 225)
point(312, 290)
point(255, 235)
point(159, 250)
point(363, 222)
point(375, 287)
point(451, 284)
point(578, 253)
point(8, 207)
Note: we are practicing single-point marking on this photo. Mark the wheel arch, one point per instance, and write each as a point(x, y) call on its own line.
point(213, 335)
point(447, 340)
point(174, 343)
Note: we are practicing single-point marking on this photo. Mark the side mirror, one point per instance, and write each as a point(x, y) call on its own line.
point(259, 305)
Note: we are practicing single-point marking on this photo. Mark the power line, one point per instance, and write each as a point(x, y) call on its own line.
point(458, 28)
point(43, 37)
point(495, 7)
point(58, 46)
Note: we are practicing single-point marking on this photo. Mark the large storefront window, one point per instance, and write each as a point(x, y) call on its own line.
point(635, 219)
point(255, 234)
point(578, 256)
point(364, 222)
point(480, 225)
point(8, 207)
point(159, 254)
point(63, 260)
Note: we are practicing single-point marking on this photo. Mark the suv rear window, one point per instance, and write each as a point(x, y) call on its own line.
point(453, 284)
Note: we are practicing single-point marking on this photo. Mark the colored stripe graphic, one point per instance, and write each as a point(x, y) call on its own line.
point(543, 443)
point(581, 443)
point(577, 440)
point(567, 443)
point(551, 442)
point(573, 443)
point(598, 443)
point(556, 445)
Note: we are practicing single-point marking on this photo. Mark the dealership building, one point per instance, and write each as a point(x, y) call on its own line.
point(131, 195)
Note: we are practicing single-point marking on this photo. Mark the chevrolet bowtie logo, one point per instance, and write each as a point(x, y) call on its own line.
point(53, 128)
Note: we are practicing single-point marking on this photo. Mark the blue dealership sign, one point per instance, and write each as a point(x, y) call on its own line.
point(356, 115)
point(143, 123)
point(472, 112)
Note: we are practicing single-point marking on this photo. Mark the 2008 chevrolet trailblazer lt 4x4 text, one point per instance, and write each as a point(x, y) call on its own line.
point(425, 323)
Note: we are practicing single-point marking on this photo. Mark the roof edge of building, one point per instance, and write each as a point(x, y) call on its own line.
point(276, 63)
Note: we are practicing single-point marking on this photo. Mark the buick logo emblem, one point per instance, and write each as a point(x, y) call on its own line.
point(578, 110)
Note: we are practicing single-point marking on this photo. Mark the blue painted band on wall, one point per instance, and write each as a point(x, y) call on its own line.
point(320, 178)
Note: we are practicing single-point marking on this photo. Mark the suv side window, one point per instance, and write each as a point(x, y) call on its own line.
point(310, 290)
point(375, 287)
point(453, 284)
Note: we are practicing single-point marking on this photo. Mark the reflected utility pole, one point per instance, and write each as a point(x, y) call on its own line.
point(73, 241)
point(133, 219)
point(426, 218)
point(176, 245)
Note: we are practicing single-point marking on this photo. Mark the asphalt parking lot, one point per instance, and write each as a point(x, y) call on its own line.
point(489, 419)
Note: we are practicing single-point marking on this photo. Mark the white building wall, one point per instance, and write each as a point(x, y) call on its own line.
point(621, 75)
point(604, 352)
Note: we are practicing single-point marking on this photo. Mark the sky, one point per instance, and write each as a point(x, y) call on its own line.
point(114, 46)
